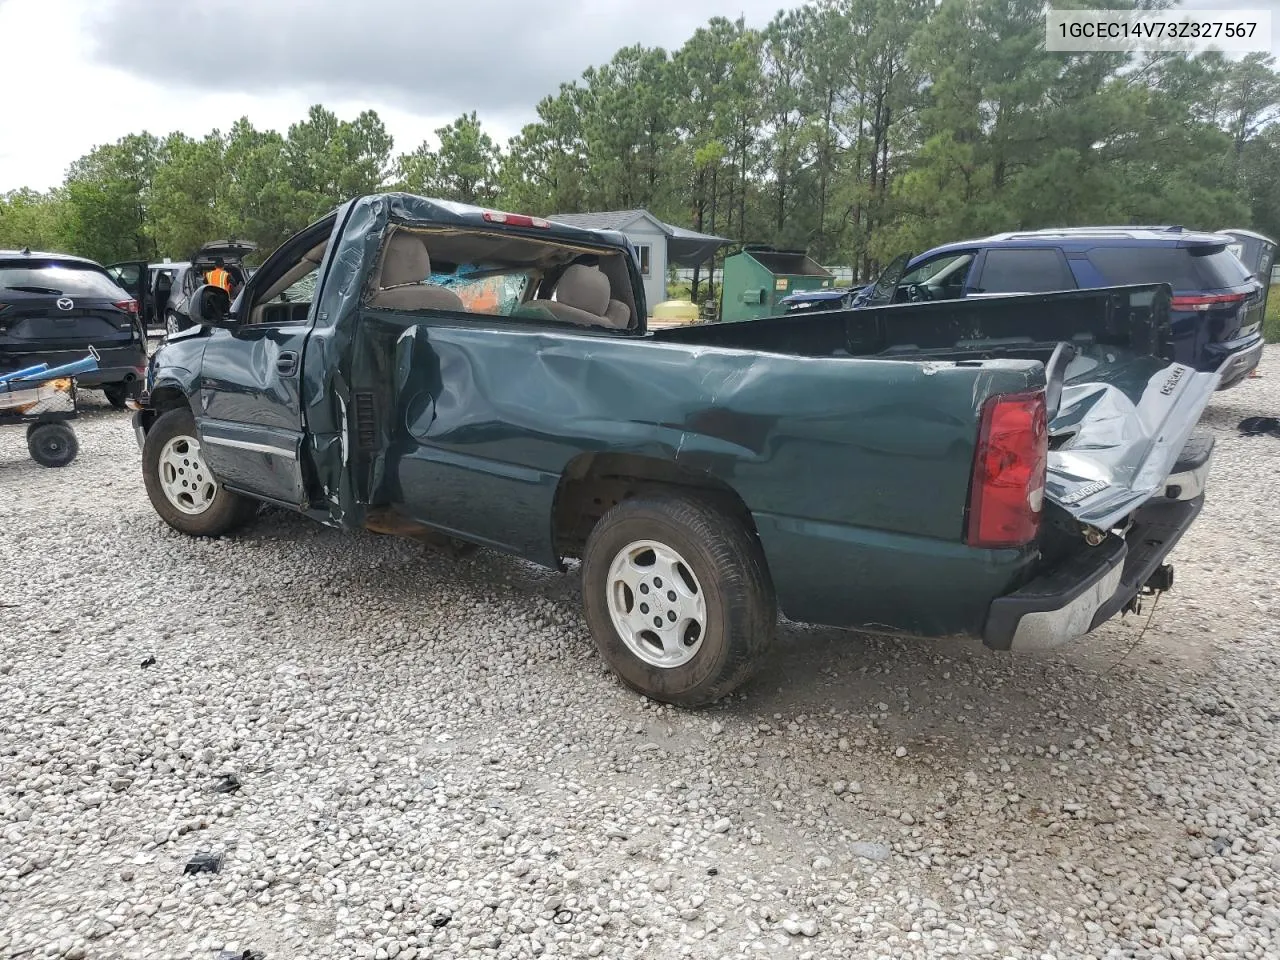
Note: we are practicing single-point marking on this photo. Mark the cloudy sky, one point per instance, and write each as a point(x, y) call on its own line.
point(91, 71)
point(84, 72)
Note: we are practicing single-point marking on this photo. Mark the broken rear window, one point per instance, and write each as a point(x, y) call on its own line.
point(482, 290)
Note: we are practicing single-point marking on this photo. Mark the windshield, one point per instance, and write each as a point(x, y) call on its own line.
point(60, 279)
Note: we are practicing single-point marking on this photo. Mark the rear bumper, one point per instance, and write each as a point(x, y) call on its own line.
point(125, 364)
point(1091, 587)
point(1238, 364)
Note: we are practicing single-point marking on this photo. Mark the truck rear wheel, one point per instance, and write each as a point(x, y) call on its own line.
point(180, 485)
point(678, 598)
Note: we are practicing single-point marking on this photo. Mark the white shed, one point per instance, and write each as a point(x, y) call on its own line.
point(658, 245)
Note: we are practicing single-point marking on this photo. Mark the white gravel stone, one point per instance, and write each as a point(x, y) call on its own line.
point(420, 739)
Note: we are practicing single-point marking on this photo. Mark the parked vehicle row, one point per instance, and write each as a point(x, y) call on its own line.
point(443, 372)
point(169, 285)
point(55, 307)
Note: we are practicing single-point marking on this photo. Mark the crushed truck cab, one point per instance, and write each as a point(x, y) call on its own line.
point(1015, 469)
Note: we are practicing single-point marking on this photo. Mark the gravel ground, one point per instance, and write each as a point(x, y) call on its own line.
point(433, 763)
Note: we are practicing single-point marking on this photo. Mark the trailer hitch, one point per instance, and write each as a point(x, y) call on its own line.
point(1160, 580)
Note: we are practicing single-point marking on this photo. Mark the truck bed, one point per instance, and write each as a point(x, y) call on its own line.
point(1124, 414)
point(1024, 327)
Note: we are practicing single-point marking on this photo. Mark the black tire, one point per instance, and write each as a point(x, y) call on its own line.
point(729, 567)
point(116, 394)
point(225, 511)
point(52, 444)
point(174, 323)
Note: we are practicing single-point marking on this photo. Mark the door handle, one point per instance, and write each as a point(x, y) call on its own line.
point(287, 364)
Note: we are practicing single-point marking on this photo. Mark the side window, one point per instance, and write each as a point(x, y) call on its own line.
point(1025, 271)
point(941, 278)
point(642, 256)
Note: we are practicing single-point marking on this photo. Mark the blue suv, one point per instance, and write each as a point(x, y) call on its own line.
point(1217, 310)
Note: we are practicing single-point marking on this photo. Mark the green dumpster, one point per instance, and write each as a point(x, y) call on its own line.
point(758, 277)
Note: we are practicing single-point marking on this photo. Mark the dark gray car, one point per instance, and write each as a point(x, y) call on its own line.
point(54, 307)
point(173, 283)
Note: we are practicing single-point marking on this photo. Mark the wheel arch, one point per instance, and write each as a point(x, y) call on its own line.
point(163, 398)
point(592, 483)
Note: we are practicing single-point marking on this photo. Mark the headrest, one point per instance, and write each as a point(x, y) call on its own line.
point(618, 314)
point(584, 288)
point(404, 261)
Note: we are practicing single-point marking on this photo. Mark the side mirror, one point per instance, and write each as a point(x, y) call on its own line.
point(211, 306)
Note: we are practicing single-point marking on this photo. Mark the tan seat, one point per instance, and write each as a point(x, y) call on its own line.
point(618, 315)
point(581, 296)
point(405, 264)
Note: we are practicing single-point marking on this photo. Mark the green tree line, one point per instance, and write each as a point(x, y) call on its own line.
point(856, 129)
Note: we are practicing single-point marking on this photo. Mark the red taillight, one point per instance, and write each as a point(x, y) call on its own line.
point(1207, 301)
point(1009, 471)
point(128, 306)
point(515, 219)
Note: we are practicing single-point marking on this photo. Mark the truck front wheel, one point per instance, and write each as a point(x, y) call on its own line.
point(678, 598)
point(180, 485)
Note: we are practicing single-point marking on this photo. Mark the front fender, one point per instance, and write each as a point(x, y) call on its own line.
point(176, 364)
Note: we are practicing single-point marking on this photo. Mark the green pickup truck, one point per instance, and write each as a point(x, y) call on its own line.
point(1014, 469)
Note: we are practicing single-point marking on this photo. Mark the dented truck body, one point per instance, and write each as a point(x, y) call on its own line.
point(845, 441)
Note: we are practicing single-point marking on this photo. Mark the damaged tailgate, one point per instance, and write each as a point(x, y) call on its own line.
point(1128, 470)
point(1121, 426)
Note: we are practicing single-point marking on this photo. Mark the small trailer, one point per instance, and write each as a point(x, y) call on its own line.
point(44, 399)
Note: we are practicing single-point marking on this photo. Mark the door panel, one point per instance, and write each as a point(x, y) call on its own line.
point(250, 409)
point(257, 458)
point(134, 276)
point(470, 459)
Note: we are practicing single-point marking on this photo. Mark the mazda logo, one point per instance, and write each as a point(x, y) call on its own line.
point(65, 303)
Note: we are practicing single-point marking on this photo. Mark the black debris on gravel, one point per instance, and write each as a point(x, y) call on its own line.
point(1258, 426)
point(228, 783)
point(204, 863)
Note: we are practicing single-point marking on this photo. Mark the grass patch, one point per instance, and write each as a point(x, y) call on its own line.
point(1271, 325)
